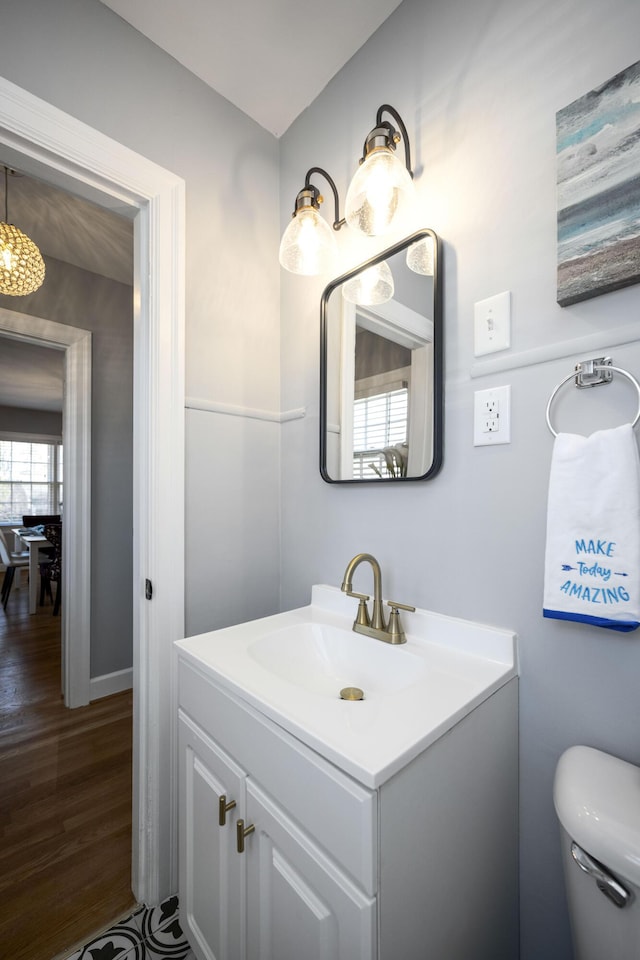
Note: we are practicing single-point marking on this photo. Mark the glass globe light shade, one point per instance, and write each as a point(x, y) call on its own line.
point(372, 286)
point(420, 257)
point(380, 191)
point(21, 263)
point(308, 246)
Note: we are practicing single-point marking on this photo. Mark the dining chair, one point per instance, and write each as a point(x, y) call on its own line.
point(12, 562)
point(51, 569)
point(39, 519)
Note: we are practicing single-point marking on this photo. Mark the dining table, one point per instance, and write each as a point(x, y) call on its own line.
point(35, 542)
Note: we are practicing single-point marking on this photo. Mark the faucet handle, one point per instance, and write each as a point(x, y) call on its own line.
point(362, 616)
point(400, 606)
point(394, 628)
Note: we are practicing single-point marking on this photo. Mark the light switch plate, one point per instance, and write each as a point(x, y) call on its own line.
point(492, 324)
point(492, 416)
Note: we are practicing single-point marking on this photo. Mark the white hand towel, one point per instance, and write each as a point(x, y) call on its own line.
point(592, 561)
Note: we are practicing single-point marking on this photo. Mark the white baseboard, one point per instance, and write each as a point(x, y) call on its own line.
point(110, 683)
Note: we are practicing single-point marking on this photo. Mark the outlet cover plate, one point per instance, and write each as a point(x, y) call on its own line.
point(492, 416)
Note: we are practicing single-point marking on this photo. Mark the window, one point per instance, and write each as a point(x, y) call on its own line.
point(30, 478)
point(378, 422)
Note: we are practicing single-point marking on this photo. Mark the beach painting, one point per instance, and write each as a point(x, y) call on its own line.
point(598, 189)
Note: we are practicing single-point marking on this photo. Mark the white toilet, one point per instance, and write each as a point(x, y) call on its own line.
point(597, 800)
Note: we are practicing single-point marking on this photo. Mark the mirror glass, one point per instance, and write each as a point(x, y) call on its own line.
point(381, 370)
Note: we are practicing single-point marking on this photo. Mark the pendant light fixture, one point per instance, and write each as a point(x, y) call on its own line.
point(382, 188)
point(308, 246)
point(21, 263)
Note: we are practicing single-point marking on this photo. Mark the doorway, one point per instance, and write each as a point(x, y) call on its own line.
point(76, 548)
point(77, 813)
point(55, 146)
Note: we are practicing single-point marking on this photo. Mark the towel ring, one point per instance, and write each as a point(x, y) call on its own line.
point(593, 366)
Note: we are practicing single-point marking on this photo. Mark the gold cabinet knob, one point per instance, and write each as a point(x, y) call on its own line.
point(243, 832)
point(223, 807)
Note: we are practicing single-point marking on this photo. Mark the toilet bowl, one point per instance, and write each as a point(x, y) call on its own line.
point(597, 801)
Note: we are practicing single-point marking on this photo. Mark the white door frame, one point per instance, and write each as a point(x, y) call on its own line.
point(76, 479)
point(40, 131)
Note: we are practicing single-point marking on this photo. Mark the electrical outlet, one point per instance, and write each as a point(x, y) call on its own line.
point(492, 324)
point(492, 416)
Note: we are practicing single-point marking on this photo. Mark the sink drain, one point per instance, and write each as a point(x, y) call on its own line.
point(351, 693)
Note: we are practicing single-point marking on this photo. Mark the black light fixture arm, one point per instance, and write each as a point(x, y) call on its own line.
point(6, 194)
point(385, 134)
point(338, 221)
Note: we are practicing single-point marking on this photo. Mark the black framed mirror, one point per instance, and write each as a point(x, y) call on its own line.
point(381, 367)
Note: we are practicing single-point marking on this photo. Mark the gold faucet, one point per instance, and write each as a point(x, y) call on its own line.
point(375, 625)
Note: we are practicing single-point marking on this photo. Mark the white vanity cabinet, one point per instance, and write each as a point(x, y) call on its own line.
point(300, 904)
point(212, 881)
point(292, 893)
point(421, 865)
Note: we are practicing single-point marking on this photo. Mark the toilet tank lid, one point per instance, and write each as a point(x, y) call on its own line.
point(597, 800)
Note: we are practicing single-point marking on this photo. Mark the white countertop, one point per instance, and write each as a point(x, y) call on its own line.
point(448, 668)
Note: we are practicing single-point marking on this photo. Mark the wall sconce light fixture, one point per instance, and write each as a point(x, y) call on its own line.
point(420, 257)
point(21, 263)
point(308, 246)
point(371, 287)
point(382, 187)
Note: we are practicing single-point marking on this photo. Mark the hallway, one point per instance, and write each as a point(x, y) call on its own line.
point(65, 797)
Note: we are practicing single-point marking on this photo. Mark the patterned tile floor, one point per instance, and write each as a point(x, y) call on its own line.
point(150, 933)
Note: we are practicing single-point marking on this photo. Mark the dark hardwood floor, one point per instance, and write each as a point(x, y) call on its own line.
point(65, 797)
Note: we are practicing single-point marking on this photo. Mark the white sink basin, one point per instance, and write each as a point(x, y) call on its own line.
point(291, 668)
point(324, 659)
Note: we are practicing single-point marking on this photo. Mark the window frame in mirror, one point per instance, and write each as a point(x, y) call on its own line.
point(438, 359)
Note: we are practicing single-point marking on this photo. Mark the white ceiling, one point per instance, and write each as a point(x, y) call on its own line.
point(67, 228)
point(271, 58)
point(30, 376)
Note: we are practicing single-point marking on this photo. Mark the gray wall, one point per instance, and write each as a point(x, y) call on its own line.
point(81, 299)
point(478, 85)
point(21, 420)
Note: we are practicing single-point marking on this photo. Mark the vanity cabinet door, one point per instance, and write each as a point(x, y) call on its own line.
point(212, 874)
point(300, 905)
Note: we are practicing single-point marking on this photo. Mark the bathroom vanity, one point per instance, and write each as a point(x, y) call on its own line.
point(317, 827)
